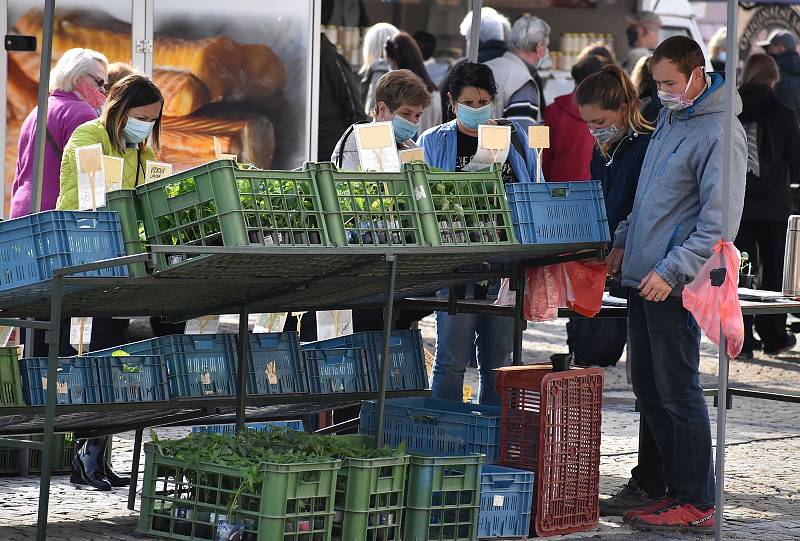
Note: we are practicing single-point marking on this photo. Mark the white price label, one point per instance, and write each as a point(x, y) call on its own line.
point(498, 500)
point(80, 331)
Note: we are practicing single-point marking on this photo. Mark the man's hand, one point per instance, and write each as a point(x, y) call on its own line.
point(614, 261)
point(654, 288)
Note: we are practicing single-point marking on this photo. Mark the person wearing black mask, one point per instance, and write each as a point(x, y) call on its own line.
point(782, 46)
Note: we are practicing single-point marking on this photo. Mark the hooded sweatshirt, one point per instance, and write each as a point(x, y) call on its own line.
point(571, 144)
point(788, 89)
point(678, 210)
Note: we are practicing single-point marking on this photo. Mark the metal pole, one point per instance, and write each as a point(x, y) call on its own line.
point(41, 115)
point(137, 451)
point(519, 316)
point(722, 383)
point(475, 32)
point(53, 340)
point(388, 315)
point(242, 366)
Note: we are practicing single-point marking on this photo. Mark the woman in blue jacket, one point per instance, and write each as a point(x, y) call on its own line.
point(450, 147)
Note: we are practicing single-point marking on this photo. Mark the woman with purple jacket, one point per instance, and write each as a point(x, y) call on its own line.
point(77, 93)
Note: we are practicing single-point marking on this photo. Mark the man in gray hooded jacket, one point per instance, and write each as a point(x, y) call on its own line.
point(678, 216)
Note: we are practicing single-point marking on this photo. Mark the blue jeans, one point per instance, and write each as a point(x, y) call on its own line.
point(456, 337)
point(665, 371)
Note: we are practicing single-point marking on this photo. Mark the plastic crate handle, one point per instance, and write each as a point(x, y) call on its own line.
point(86, 223)
point(422, 415)
point(336, 358)
point(561, 192)
point(204, 343)
point(269, 340)
point(395, 341)
point(503, 482)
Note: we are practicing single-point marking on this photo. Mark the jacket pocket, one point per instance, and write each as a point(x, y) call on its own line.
point(671, 157)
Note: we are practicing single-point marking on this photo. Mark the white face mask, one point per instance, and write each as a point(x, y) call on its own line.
point(678, 101)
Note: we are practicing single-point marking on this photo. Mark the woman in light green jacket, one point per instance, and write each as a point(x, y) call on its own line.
point(131, 118)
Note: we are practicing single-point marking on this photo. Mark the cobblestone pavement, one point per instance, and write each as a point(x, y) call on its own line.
point(762, 473)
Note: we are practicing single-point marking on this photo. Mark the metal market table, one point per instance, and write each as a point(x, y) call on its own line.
point(223, 280)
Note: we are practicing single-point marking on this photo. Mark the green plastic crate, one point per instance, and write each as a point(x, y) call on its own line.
point(370, 497)
point(290, 502)
point(10, 380)
point(125, 203)
point(218, 204)
point(369, 209)
point(63, 454)
point(462, 209)
point(443, 498)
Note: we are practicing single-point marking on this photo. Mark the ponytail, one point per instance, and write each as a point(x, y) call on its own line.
point(611, 89)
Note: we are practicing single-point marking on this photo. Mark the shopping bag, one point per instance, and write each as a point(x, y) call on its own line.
point(505, 296)
point(547, 289)
point(713, 306)
point(587, 281)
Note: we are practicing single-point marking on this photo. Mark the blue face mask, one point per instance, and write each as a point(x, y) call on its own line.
point(403, 128)
point(472, 118)
point(136, 131)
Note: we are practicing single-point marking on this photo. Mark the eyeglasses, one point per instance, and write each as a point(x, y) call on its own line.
point(101, 83)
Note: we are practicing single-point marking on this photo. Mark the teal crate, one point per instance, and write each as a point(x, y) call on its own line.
point(506, 502)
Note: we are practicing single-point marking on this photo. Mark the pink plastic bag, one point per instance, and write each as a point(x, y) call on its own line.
point(546, 290)
point(711, 305)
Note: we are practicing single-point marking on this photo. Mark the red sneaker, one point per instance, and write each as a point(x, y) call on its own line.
point(660, 505)
point(683, 517)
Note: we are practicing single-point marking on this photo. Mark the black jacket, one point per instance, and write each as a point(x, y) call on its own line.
point(340, 103)
point(767, 195)
point(619, 174)
point(788, 89)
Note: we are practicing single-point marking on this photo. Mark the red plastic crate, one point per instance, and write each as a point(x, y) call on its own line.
point(551, 425)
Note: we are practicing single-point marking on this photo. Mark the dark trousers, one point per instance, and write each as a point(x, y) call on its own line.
point(649, 470)
point(665, 370)
point(765, 243)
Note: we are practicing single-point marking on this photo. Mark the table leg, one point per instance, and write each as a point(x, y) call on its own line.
point(137, 452)
point(388, 316)
point(48, 441)
point(241, 374)
point(519, 316)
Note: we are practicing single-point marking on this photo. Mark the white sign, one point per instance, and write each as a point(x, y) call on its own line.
point(80, 332)
point(113, 171)
point(270, 322)
point(377, 150)
point(156, 170)
point(493, 147)
point(91, 178)
point(334, 323)
point(203, 325)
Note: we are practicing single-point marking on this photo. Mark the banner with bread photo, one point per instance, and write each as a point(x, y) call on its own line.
point(222, 71)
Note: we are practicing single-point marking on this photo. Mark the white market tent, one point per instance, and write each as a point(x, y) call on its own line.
point(46, 55)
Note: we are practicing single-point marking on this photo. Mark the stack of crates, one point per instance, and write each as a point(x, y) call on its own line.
point(551, 425)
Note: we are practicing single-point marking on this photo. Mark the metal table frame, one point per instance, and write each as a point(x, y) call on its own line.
point(64, 294)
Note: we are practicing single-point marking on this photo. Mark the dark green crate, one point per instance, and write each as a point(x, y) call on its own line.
point(462, 209)
point(10, 380)
point(370, 497)
point(125, 203)
point(219, 204)
point(290, 502)
point(443, 498)
point(63, 453)
point(369, 209)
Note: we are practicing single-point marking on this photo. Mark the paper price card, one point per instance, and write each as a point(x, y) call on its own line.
point(80, 332)
point(112, 169)
point(494, 138)
point(377, 150)
point(91, 178)
point(334, 323)
point(412, 155)
point(270, 322)
point(157, 170)
point(539, 136)
point(203, 325)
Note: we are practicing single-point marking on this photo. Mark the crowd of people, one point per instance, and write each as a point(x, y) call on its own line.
point(650, 129)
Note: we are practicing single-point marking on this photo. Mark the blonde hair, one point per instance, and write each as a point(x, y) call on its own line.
point(132, 91)
point(717, 41)
point(611, 89)
point(118, 71)
point(374, 43)
point(74, 64)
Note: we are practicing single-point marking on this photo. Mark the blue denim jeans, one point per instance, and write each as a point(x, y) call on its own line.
point(665, 371)
point(457, 336)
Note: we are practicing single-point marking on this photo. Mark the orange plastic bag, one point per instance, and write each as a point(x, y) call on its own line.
point(712, 306)
point(588, 282)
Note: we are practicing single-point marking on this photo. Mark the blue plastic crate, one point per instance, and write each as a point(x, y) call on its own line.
point(506, 502)
point(337, 370)
point(140, 378)
point(436, 427)
point(276, 365)
point(197, 365)
point(33, 246)
point(77, 381)
point(258, 427)
point(407, 359)
point(558, 212)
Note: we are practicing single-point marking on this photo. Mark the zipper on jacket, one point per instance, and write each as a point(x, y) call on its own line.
point(672, 239)
point(667, 159)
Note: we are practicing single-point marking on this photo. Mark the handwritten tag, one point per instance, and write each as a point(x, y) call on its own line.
point(113, 168)
point(62, 387)
point(205, 378)
point(91, 179)
point(494, 137)
point(233, 157)
point(498, 500)
point(272, 373)
point(539, 136)
point(157, 170)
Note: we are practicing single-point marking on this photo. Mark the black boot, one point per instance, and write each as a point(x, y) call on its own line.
point(111, 476)
point(87, 465)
